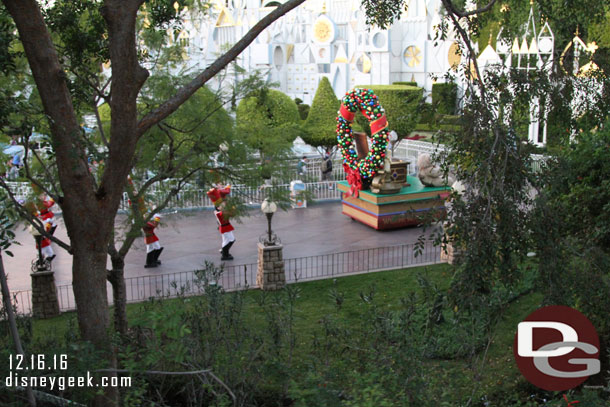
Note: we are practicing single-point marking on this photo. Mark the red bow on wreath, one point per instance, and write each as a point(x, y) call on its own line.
point(354, 179)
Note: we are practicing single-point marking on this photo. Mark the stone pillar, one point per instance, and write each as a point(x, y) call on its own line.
point(44, 295)
point(451, 254)
point(270, 274)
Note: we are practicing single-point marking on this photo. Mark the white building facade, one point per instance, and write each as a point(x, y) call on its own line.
point(326, 39)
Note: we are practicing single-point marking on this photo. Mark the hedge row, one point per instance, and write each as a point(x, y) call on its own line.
point(401, 106)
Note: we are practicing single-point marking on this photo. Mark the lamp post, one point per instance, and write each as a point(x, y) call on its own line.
point(269, 208)
point(270, 273)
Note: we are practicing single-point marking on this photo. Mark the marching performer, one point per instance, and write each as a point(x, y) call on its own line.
point(225, 228)
point(46, 215)
point(43, 245)
point(153, 247)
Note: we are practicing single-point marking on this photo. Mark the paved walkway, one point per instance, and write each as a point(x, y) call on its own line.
point(190, 238)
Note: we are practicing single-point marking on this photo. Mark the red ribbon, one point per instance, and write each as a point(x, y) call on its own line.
point(378, 125)
point(354, 179)
point(346, 114)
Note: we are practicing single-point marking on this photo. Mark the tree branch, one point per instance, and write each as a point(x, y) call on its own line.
point(28, 174)
point(453, 14)
point(53, 89)
point(100, 126)
point(451, 8)
point(131, 235)
point(32, 220)
point(172, 104)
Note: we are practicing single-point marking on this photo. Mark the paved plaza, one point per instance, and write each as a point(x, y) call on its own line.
point(191, 238)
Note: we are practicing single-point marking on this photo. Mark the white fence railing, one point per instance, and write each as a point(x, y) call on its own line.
point(197, 198)
point(411, 149)
point(21, 190)
point(194, 197)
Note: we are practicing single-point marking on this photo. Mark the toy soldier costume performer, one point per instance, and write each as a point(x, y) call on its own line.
point(47, 216)
point(43, 243)
point(225, 228)
point(153, 247)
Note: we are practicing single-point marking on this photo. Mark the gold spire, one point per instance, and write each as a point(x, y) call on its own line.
point(577, 33)
point(531, 2)
point(490, 34)
point(324, 7)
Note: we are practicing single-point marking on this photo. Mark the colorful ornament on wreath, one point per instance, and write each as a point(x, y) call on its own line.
point(359, 170)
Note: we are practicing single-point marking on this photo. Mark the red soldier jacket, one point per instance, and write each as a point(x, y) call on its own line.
point(44, 242)
point(224, 225)
point(149, 233)
point(45, 209)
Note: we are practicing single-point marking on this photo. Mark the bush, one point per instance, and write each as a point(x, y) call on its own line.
point(571, 231)
point(303, 110)
point(444, 97)
point(320, 126)
point(413, 83)
point(270, 106)
point(268, 121)
point(401, 107)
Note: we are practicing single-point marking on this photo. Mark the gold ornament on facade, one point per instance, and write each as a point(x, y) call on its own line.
point(322, 31)
point(454, 56)
point(413, 56)
point(364, 64)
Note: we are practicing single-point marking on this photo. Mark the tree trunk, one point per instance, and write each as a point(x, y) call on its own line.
point(116, 276)
point(90, 294)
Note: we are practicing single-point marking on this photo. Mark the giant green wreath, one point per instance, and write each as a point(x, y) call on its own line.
point(361, 170)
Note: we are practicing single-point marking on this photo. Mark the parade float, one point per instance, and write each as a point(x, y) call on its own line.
point(378, 191)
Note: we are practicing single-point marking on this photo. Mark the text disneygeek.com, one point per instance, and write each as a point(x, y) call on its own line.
point(20, 366)
point(62, 382)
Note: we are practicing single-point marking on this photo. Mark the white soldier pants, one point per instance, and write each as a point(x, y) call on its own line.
point(227, 237)
point(153, 246)
point(47, 252)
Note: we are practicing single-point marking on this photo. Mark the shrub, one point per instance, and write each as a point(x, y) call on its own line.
point(401, 106)
point(411, 83)
point(321, 124)
point(270, 106)
point(303, 108)
point(444, 97)
point(268, 121)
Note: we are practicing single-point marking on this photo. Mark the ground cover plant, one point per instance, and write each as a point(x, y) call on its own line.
point(380, 339)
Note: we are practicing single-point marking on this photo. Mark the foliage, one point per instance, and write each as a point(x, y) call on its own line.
point(374, 338)
point(444, 97)
point(7, 224)
point(303, 108)
point(579, 189)
point(589, 16)
point(267, 121)
point(383, 13)
point(321, 125)
point(400, 104)
point(192, 134)
point(571, 227)
point(268, 106)
point(406, 83)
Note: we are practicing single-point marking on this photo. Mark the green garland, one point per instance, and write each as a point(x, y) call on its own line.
point(365, 101)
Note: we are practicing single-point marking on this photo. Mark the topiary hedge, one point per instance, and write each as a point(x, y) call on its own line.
point(320, 125)
point(269, 106)
point(411, 83)
point(401, 106)
point(444, 97)
point(268, 121)
point(303, 108)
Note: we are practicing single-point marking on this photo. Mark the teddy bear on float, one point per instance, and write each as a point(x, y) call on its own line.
point(431, 175)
